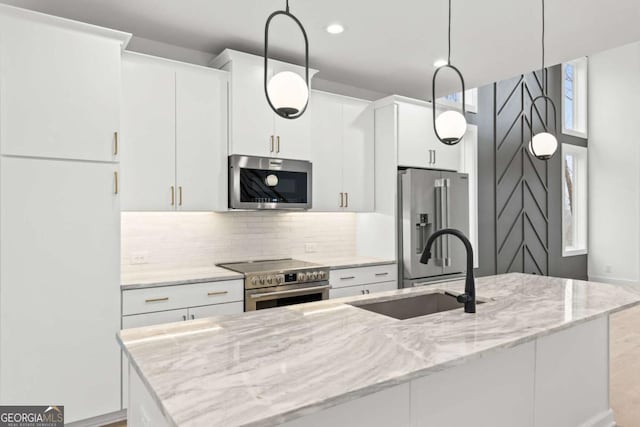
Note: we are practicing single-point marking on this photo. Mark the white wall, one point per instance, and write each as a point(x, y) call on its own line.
point(196, 239)
point(614, 165)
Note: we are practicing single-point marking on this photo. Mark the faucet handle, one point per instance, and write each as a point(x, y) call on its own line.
point(463, 298)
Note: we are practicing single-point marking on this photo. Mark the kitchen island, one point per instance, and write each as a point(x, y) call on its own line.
point(534, 354)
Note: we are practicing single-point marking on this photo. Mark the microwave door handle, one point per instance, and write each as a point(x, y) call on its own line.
point(292, 292)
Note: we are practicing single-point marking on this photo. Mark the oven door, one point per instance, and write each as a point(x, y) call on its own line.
point(280, 296)
point(268, 183)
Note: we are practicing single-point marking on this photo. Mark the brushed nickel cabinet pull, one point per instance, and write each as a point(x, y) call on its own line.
point(347, 278)
point(184, 317)
point(346, 200)
point(180, 196)
point(115, 183)
point(362, 292)
point(271, 144)
point(382, 274)
point(173, 195)
point(342, 200)
point(211, 294)
point(278, 144)
point(193, 317)
point(115, 143)
point(157, 299)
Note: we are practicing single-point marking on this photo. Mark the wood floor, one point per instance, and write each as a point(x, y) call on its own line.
point(625, 368)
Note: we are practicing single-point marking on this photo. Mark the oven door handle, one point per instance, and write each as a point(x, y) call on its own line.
point(290, 292)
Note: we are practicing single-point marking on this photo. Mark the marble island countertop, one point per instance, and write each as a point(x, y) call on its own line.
point(267, 367)
point(144, 277)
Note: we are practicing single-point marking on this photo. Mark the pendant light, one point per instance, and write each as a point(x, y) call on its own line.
point(451, 125)
point(287, 92)
point(543, 145)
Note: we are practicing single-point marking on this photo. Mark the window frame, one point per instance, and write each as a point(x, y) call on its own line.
point(580, 97)
point(580, 198)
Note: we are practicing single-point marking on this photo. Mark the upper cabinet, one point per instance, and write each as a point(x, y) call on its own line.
point(174, 136)
point(60, 87)
point(417, 142)
point(255, 129)
point(342, 153)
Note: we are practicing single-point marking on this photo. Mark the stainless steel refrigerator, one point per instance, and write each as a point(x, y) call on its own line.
point(431, 200)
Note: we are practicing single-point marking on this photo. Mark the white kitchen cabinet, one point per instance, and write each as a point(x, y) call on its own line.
point(349, 291)
point(156, 318)
point(174, 138)
point(60, 87)
point(255, 130)
point(201, 139)
point(148, 148)
point(59, 280)
point(417, 142)
point(216, 310)
point(342, 153)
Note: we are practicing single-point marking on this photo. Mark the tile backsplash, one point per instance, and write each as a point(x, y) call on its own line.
point(157, 240)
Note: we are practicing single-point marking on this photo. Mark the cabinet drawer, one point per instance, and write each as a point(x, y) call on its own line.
point(348, 291)
point(363, 275)
point(180, 296)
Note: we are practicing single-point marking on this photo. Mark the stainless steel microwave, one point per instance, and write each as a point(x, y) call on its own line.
point(269, 183)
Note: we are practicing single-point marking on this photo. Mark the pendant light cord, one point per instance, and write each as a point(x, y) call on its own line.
point(449, 52)
point(544, 80)
point(287, 6)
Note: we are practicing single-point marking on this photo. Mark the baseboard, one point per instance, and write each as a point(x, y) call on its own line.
point(603, 419)
point(101, 420)
point(613, 280)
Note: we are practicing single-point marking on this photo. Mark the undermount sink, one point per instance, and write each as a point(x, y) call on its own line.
point(414, 305)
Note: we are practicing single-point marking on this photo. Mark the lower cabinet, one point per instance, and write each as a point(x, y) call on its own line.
point(168, 304)
point(363, 280)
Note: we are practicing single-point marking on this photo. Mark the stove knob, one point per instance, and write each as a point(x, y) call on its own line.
point(323, 275)
point(261, 279)
point(279, 279)
point(302, 277)
point(254, 281)
point(314, 275)
point(270, 280)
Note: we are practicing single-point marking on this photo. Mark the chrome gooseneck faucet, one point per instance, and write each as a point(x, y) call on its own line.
point(469, 296)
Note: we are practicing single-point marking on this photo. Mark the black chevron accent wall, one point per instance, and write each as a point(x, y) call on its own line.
point(519, 196)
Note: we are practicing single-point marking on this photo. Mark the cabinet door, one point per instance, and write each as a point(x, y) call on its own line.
point(381, 287)
point(252, 121)
point(148, 134)
point(447, 156)
point(326, 151)
point(59, 285)
point(60, 92)
point(358, 155)
point(157, 318)
point(201, 139)
point(349, 291)
point(415, 136)
point(293, 137)
point(216, 310)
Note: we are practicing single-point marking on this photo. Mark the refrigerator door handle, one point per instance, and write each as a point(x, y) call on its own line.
point(440, 221)
point(447, 189)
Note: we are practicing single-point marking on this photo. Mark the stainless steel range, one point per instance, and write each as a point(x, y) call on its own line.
point(281, 282)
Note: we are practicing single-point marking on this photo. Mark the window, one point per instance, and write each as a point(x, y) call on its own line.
point(574, 97)
point(574, 200)
point(454, 100)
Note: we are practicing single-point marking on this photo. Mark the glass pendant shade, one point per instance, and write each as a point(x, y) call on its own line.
point(288, 92)
point(451, 126)
point(543, 145)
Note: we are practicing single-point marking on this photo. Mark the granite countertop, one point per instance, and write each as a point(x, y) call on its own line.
point(175, 276)
point(146, 278)
point(266, 367)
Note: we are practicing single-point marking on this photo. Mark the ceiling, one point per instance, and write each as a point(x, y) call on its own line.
point(388, 46)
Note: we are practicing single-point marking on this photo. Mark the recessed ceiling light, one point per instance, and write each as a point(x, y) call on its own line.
point(440, 63)
point(335, 28)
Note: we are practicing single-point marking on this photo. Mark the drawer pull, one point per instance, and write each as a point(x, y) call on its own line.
point(382, 274)
point(157, 299)
point(211, 294)
point(348, 278)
